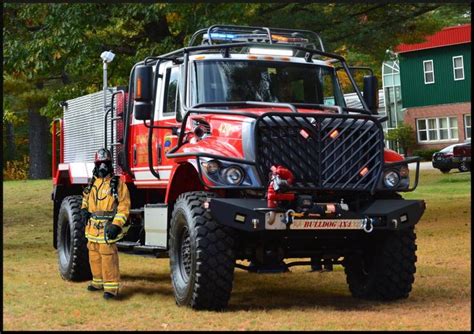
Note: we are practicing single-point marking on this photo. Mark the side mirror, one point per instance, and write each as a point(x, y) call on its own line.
point(143, 87)
point(371, 93)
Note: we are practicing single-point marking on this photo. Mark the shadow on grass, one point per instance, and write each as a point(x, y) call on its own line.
point(297, 294)
point(300, 298)
point(145, 284)
point(130, 291)
point(149, 277)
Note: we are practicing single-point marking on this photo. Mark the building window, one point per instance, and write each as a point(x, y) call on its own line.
point(428, 71)
point(437, 129)
point(467, 126)
point(458, 68)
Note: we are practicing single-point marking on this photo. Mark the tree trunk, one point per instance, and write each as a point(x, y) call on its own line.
point(10, 151)
point(38, 135)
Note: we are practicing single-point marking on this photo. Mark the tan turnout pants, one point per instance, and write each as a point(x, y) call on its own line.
point(104, 262)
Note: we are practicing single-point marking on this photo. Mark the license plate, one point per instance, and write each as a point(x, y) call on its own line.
point(327, 224)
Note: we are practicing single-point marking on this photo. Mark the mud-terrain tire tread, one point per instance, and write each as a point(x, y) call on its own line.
point(392, 272)
point(214, 255)
point(78, 268)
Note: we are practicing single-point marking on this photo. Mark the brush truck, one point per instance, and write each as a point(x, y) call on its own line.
point(240, 152)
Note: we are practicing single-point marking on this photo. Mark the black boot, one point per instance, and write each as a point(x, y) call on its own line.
point(109, 295)
point(93, 288)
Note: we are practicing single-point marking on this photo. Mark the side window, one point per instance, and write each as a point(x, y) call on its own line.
point(458, 68)
point(428, 70)
point(171, 101)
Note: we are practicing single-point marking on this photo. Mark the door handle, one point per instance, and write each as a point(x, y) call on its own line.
point(158, 151)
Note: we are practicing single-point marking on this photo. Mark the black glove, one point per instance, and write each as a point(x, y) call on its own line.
point(85, 215)
point(112, 230)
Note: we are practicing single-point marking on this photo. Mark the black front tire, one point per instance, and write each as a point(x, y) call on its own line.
point(386, 269)
point(73, 256)
point(202, 257)
point(445, 170)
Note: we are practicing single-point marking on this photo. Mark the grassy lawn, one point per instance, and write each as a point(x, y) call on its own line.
point(36, 298)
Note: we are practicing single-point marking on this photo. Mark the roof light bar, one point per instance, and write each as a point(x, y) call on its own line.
point(220, 36)
point(284, 39)
point(273, 52)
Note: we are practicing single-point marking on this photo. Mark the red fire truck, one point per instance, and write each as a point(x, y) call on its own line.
point(240, 151)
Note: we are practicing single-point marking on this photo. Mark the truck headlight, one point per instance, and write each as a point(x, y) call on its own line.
point(391, 178)
point(211, 166)
point(221, 173)
point(233, 175)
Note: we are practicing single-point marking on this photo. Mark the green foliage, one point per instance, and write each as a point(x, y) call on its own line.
point(51, 50)
point(404, 136)
point(59, 44)
point(425, 154)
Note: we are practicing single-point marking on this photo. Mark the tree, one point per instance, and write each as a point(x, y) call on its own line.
point(404, 136)
point(55, 47)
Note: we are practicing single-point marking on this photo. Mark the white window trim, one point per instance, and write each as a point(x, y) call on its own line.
point(465, 126)
point(457, 68)
point(162, 116)
point(432, 71)
point(437, 130)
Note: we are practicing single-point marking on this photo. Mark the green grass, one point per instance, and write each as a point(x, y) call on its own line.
point(35, 297)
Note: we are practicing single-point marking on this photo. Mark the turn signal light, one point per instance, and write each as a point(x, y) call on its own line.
point(364, 171)
point(138, 94)
point(334, 134)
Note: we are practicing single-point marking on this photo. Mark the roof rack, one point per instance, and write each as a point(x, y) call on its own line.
point(217, 34)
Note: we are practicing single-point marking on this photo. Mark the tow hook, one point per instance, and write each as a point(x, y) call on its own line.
point(367, 225)
point(288, 217)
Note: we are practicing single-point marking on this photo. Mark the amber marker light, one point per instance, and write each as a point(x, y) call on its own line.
point(139, 88)
point(200, 57)
point(364, 171)
point(334, 134)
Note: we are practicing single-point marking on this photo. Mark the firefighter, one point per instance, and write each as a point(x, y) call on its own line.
point(105, 208)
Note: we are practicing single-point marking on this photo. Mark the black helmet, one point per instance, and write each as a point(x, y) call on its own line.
point(102, 155)
point(103, 163)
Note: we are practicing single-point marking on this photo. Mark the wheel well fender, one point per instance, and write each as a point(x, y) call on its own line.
point(183, 178)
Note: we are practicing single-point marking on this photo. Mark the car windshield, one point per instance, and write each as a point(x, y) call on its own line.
point(266, 81)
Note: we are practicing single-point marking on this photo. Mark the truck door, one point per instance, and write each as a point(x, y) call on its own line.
point(166, 107)
point(171, 106)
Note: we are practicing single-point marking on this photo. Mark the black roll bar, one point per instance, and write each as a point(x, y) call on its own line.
point(252, 29)
point(186, 51)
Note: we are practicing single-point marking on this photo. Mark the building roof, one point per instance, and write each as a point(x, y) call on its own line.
point(448, 36)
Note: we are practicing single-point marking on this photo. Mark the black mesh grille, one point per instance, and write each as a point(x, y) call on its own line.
point(337, 152)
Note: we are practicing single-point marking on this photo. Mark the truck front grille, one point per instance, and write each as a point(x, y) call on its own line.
point(324, 151)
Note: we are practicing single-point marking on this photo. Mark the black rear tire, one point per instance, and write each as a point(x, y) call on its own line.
point(202, 257)
point(73, 256)
point(445, 170)
point(386, 269)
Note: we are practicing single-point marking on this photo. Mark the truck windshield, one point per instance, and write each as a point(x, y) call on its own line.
point(242, 80)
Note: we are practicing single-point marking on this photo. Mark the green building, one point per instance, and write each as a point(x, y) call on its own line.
point(435, 80)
